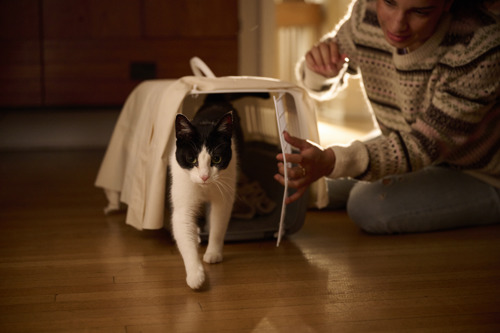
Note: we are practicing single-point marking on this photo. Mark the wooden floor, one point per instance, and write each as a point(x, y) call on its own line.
point(65, 267)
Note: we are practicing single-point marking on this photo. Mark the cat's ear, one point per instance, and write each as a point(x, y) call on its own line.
point(225, 124)
point(183, 127)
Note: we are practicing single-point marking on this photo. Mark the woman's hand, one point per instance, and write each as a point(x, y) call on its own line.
point(324, 58)
point(313, 162)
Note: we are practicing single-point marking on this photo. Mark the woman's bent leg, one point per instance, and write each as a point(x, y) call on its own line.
point(434, 198)
point(338, 192)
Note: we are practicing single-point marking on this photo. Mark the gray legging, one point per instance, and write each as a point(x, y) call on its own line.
point(434, 198)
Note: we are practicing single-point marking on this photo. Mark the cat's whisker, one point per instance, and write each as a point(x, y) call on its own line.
point(221, 190)
point(224, 186)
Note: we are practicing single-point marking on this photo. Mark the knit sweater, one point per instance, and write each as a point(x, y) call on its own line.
point(437, 105)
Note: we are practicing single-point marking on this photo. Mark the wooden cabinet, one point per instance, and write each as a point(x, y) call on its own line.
point(94, 52)
point(20, 53)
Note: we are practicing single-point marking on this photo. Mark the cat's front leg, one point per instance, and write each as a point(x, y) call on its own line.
point(186, 236)
point(220, 214)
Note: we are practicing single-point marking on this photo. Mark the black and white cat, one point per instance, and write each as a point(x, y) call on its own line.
point(203, 170)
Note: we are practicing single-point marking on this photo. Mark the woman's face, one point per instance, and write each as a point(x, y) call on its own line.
point(409, 23)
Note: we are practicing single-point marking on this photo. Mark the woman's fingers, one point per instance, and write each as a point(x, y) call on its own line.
point(290, 158)
point(300, 185)
point(324, 58)
point(296, 196)
point(294, 173)
point(310, 164)
point(296, 142)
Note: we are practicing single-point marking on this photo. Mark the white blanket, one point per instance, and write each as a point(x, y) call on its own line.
point(134, 167)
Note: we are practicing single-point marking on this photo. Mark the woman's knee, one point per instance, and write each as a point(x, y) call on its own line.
point(366, 208)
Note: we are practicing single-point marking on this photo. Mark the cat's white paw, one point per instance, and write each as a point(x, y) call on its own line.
point(212, 257)
point(196, 277)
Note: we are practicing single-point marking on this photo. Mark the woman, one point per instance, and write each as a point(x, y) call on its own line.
point(431, 73)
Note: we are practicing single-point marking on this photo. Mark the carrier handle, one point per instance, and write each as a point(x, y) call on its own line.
point(199, 68)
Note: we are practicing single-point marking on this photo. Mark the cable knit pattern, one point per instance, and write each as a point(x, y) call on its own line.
point(439, 104)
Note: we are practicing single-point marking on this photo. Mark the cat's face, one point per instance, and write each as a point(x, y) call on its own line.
point(204, 150)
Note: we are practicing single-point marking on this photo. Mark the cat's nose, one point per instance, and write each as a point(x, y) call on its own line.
point(204, 178)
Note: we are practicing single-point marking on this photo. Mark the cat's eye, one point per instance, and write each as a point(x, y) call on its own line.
point(216, 159)
point(191, 160)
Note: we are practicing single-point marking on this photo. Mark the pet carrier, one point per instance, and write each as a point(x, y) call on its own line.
point(134, 168)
